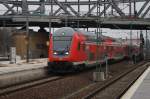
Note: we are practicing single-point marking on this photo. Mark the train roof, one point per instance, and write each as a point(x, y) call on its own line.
point(88, 33)
point(68, 31)
point(64, 31)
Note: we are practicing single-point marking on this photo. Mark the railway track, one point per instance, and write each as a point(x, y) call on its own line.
point(22, 86)
point(72, 86)
point(112, 88)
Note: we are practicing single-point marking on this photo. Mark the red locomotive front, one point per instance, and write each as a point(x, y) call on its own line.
point(65, 49)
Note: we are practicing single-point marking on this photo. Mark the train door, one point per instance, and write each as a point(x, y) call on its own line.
point(103, 53)
point(87, 50)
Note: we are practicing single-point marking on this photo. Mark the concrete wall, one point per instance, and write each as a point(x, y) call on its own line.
point(5, 40)
point(37, 44)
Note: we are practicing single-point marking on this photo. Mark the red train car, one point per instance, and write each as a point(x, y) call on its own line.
point(72, 49)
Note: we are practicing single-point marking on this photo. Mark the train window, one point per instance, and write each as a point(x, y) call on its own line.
point(83, 46)
point(65, 31)
point(62, 38)
point(107, 48)
point(91, 38)
point(112, 48)
point(78, 46)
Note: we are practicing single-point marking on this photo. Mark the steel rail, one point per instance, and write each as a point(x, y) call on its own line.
point(112, 81)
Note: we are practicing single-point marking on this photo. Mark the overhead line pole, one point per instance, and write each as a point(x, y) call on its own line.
point(98, 30)
point(66, 18)
point(50, 14)
point(78, 24)
point(28, 39)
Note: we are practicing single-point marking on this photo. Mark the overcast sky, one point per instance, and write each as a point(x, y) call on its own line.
point(109, 32)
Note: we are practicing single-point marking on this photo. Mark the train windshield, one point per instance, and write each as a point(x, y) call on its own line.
point(61, 43)
point(62, 39)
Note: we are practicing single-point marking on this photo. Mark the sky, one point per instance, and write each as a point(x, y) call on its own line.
point(108, 32)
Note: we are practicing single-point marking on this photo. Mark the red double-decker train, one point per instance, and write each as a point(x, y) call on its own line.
point(72, 49)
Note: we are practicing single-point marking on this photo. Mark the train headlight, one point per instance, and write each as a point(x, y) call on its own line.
point(55, 53)
point(66, 53)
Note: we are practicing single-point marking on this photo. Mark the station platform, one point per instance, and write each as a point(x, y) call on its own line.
point(6, 67)
point(141, 88)
point(11, 74)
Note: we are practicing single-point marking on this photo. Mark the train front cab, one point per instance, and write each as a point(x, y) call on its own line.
point(65, 51)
